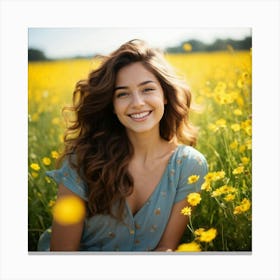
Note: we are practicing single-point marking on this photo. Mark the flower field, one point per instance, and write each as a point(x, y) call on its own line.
point(221, 87)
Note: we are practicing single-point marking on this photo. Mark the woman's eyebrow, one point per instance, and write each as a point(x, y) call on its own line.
point(141, 84)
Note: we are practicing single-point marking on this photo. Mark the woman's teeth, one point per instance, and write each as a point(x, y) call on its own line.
point(140, 115)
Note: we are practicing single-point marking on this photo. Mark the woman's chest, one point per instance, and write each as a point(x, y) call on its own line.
point(146, 182)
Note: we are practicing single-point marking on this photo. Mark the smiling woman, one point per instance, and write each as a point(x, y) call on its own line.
point(128, 156)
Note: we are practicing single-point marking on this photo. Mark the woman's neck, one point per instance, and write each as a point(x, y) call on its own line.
point(149, 146)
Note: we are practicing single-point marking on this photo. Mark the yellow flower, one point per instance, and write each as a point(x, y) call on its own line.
point(248, 130)
point(242, 148)
point(212, 127)
point(238, 170)
point(245, 160)
point(187, 211)
point(229, 197)
point(34, 174)
point(194, 199)
point(199, 231)
point(55, 121)
point(221, 123)
point(187, 47)
point(189, 247)
point(223, 190)
point(46, 161)
point(206, 186)
point(35, 166)
point(214, 176)
point(54, 154)
point(192, 179)
point(237, 112)
point(69, 210)
point(243, 207)
point(233, 145)
point(208, 235)
point(235, 127)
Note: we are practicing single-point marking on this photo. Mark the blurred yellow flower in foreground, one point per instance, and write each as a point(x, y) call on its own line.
point(69, 210)
point(193, 199)
point(189, 247)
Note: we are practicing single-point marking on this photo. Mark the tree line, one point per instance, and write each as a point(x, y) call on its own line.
point(183, 47)
point(217, 45)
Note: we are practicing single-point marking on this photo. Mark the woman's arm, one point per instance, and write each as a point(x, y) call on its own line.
point(66, 237)
point(175, 228)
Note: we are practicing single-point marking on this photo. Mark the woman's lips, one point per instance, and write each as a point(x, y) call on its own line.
point(140, 116)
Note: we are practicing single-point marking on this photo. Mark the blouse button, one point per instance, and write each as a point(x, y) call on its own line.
point(131, 231)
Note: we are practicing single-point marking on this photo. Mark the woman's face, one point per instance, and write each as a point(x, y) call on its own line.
point(138, 99)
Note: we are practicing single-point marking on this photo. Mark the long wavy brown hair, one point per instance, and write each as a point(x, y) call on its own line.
point(98, 141)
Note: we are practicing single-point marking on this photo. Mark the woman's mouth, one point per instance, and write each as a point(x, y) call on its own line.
point(140, 116)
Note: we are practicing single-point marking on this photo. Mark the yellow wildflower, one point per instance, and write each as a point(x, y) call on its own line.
point(229, 197)
point(243, 207)
point(194, 199)
point(35, 166)
point(54, 154)
point(34, 174)
point(46, 161)
point(238, 170)
point(214, 176)
point(242, 148)
point(249, 144)
point(199, 231)
point(233, 145)
point(245, 160)
point(69, 210)
point(208, 235)
point(186, 211)
point(189, 247)
point(237, 112)
point(212, 127)
point(235, 127)
point(221, 123)
point(192, 179)
point(206, 186)
point(223, 190)
point(55, 121)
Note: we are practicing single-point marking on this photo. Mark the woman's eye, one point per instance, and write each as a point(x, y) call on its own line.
point(148, 89)
point(121, 94)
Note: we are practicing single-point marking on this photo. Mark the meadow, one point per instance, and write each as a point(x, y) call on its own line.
point(221, 84)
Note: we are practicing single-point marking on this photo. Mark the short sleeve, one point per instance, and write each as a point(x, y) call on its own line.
point(193, 164)
point(69, 177)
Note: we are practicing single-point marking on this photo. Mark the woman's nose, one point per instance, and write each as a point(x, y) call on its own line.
point(137, 100)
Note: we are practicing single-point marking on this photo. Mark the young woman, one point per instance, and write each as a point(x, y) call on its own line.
point(128, 156)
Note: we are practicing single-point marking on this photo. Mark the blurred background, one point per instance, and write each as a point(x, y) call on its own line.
point(61, 43)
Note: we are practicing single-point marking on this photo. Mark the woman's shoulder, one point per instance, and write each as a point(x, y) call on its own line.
point(189, 153)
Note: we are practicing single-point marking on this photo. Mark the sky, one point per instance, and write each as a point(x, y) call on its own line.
point(68, 42)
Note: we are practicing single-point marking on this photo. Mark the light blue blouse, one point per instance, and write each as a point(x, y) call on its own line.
point(142, 231)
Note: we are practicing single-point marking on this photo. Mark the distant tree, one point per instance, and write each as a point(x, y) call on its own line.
point(36, 55)
point(219, 44)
